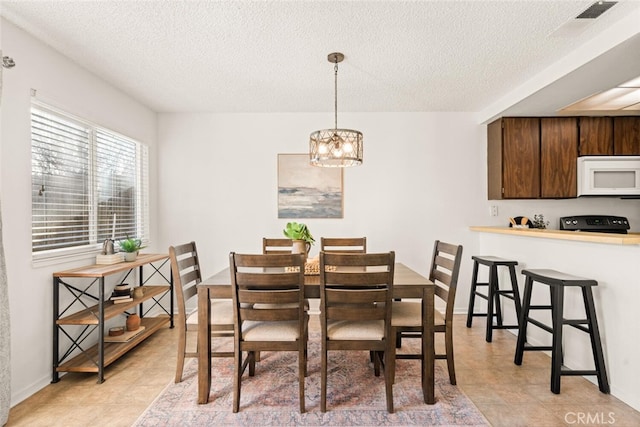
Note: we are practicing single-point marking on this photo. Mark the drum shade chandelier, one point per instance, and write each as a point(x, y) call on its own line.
point(335, 148)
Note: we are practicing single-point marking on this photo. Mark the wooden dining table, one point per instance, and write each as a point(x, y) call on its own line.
point(407, 284)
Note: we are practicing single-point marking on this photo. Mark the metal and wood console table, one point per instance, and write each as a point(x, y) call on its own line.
point(90, 307)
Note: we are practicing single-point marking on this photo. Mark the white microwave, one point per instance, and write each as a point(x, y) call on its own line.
point(609, 176)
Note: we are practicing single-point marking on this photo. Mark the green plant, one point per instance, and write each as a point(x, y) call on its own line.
point(130, 245)
point(539, 222)
point(296, 231)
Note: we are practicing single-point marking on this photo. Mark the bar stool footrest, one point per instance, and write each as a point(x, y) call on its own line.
point(540, 324)
point(528, 347)
point(578, 372)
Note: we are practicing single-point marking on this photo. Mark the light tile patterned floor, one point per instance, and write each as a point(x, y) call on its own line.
point(508, 395)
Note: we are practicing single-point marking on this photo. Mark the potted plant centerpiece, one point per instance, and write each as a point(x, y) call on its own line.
point(130, 247)
point(301, 236)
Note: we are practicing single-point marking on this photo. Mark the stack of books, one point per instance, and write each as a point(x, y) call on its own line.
point(121, 293)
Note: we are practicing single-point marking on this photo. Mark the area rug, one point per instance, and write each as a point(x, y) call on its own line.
point(355, 397)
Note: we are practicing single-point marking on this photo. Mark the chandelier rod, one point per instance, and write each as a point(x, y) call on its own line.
point(335, 98)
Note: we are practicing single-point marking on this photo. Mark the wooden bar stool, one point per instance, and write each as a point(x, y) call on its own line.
point(493, 293)
point(557, 281)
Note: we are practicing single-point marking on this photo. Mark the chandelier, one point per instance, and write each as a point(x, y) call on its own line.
point(335, 147)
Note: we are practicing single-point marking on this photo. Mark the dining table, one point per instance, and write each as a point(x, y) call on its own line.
point(407, 283)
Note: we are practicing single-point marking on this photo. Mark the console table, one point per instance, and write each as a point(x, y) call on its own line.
point(90, 307)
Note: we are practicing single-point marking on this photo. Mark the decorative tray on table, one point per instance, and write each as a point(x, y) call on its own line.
point(312, 267)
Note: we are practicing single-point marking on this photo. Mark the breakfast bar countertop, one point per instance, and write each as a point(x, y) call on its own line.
point(583, 236)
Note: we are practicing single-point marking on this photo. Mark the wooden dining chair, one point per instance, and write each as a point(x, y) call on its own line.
point(407, 315)
point(355, 311)
point(344, 244)
point(276, 245)
point(269, 313)
point(185, 268)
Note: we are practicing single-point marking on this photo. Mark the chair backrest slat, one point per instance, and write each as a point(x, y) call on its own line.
point(276, 245)
point(357, 278)
point(343, 244)
point(356, 314)
point(267, 296)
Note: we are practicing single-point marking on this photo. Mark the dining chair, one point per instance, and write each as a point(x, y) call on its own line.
point(407, 315)
point(355, 311)
point(344, 244)
point(269, 313)
point(185, 268)
point(276, 245)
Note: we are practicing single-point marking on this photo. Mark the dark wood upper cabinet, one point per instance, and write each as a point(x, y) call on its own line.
point(536, 157)
point(513, 154)
point(596, 136)
point(558, 157)
point(626, 136)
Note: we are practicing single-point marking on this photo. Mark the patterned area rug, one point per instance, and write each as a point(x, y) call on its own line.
point(355, 397)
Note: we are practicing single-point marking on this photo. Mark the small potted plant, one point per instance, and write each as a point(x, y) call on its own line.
point(301, 236)
point(130, 247)
point(539, 222)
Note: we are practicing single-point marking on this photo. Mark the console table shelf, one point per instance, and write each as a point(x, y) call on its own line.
point(83, 318)
point(86, 361)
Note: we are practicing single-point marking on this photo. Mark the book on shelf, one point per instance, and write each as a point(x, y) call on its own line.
point(117, 297)
point(121, 300)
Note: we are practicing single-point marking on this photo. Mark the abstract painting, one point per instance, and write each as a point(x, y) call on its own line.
point(306, 191)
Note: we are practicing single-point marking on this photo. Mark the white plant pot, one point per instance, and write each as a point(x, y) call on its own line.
point(130, 256)
point(299, 247)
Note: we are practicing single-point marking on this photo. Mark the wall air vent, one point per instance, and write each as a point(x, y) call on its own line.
point(596, 9)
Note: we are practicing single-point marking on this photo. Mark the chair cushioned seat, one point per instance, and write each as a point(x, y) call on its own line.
point(222, 314)
point(338, 330)
point(270, 331)
point(408, 313)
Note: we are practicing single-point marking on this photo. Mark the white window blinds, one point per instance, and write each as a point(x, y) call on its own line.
point(88, 184)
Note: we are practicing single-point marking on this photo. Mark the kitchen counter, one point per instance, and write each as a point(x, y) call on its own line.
point(582, 236)
point(612, 260)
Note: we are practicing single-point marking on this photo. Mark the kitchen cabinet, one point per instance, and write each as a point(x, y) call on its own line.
point(513, 154)
point(626, 136)
point(85, 307)
point(532, 158)
point(596, 136)
point(558, 157)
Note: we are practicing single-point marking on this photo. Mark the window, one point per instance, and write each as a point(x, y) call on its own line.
point(88, 184)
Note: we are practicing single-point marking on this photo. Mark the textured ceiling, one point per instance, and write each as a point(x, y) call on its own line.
point(271, 56)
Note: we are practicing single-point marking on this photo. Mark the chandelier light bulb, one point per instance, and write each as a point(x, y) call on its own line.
point(322, 148)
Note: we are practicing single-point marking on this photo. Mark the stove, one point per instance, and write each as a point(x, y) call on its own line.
point(595, 223)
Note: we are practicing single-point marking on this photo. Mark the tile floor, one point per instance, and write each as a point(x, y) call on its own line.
point(508, 395)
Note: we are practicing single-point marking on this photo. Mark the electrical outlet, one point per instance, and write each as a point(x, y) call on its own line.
point(494, 210)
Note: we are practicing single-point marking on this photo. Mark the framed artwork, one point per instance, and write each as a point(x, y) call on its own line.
point(306, 191)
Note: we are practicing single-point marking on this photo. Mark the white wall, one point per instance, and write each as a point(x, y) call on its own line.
point(422, 179)
point(77, 91)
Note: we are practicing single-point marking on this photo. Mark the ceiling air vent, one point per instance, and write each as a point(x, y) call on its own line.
point(596, 9)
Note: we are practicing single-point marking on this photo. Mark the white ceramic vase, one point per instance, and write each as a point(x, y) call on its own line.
point(300, 247)
point(130, 256)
